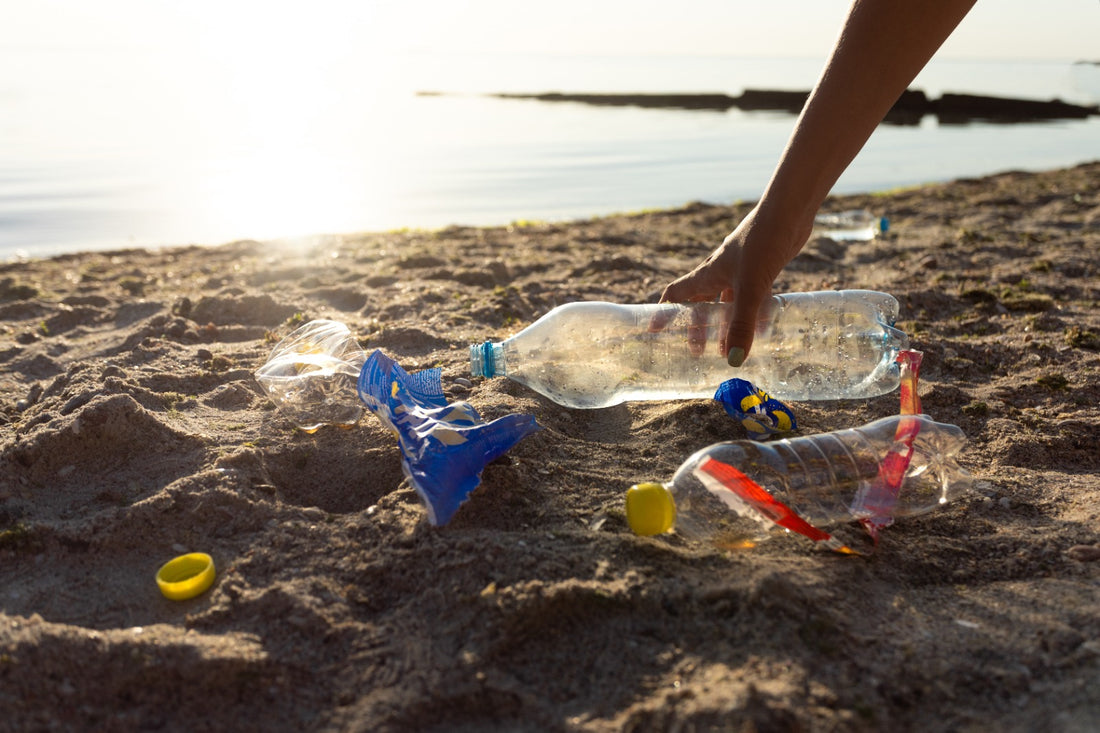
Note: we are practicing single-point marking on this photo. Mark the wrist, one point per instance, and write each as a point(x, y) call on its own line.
point(781, 231)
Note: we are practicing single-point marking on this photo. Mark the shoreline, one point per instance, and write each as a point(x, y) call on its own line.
point(20, 256)
point(134, 431)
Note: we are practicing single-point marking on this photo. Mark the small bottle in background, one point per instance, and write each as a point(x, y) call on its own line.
point(854, 225)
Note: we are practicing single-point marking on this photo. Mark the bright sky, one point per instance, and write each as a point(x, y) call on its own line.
point(1006, 29)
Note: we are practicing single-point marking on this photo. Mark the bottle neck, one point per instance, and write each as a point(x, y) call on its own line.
point(487, 360)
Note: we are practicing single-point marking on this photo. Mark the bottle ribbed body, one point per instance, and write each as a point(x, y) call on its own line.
point(823, 345)
point(823, 478)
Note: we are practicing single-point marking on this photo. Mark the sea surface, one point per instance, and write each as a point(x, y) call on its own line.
point(127, 148)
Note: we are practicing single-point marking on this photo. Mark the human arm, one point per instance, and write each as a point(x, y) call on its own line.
point(882, 46)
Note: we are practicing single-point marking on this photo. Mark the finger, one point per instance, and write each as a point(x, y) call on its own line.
point(662, 316)
point(723, 318)
point(687, 289)
point(679, 291)
point(742, 328)
point(697, 330)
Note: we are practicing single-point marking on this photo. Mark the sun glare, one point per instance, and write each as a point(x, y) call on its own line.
point(300, 122)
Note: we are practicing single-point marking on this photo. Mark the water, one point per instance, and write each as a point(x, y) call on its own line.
point(109, 148)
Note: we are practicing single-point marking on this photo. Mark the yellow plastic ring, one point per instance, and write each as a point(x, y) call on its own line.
point(186, 576)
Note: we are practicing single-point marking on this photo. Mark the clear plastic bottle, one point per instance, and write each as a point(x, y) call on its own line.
point(311, 375)
point(856, 225)
point(729, 494)
point(815, 346)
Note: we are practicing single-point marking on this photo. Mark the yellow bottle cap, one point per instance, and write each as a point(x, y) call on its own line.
point(650, 509)
point(186, 576)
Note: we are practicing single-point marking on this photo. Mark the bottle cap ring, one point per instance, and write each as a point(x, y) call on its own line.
point(186, 576)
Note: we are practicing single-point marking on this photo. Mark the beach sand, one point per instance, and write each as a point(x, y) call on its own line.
point(133, 431)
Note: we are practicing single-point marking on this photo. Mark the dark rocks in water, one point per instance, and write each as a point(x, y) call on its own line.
point(772, 99)
point(910, 107)
point(962, 108)
point(719, 102)
point(907, 110)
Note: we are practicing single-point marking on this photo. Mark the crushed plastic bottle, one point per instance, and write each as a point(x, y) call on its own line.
point(311, 375)
point(318, 375)
point(855, 225)
point(730, 493)
point(444, 446)
point(720, 491)
point(815, 346)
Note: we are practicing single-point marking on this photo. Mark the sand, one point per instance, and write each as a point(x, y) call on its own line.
point(133, 431)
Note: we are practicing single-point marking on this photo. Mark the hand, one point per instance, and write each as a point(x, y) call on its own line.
point(740, 271)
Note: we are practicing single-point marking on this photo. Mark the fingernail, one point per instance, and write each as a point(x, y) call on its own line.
point(736, 356)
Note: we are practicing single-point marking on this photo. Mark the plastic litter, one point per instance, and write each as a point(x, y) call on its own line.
point(854, 225)
point(311, 375)
point(318, 375)
point(186, 576)
point(730, 494)
point(875, 507)
point(814, 346)
point(758, 412)
point(444, 446)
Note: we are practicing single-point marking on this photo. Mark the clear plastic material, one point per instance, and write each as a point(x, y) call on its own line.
point(822, 479)
point(856, 225)
point(318, 375)
point(311, 375)
point(815, 346)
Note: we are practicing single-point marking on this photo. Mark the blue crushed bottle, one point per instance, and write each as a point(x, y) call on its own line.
point(319, 375)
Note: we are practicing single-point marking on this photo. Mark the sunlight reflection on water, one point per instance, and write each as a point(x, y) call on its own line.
point(139, 147)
